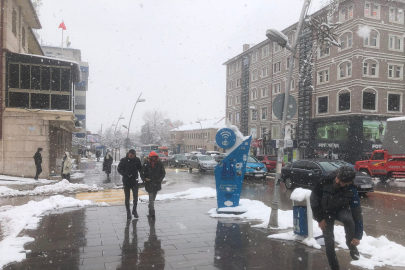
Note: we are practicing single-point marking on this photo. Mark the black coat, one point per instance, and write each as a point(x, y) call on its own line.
point(38, 157)
point(129, 169)
point(155, 175)
point(107, 163)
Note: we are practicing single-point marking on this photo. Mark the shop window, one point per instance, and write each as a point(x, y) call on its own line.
point(323, 104)
point(40, 101)
point(55, 83)
point(60, 102)
point(344, 101)
point(394, 102)
point(36, 77)
point(14, 76)
point(19, 100)
point(369, 100)
point(45, 78)
point(25, 76)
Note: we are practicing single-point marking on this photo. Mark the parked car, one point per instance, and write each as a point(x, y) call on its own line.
point(210, 153)
point(202, 163)
point(188, 155)
point(177, 160)
point(269, 160)
point(193, 153)
point(219, 157)
point(163, 158)
point(255, 168)
point(309, 172)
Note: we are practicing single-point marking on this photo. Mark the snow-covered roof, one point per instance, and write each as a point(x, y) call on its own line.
point(203, 124)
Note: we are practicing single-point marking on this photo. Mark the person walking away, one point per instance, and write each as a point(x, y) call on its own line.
point(338, 200)
point(98, 155)
point(128, 168)
point(79, 156)
point(108, 161)
point(153, 173)
point(38, 163)
point(66, 166)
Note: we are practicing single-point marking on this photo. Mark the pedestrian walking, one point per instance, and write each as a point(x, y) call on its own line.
point(129, 167)
point(98, 155)
point(338, 200)
point(38, 163)
point(66, 166)
point(79, 156)
point(108, 161)
point(153, 173)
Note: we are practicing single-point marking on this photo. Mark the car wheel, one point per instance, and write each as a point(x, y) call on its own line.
point(288, 183)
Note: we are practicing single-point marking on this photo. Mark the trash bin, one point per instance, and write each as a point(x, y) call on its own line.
point(300, 220)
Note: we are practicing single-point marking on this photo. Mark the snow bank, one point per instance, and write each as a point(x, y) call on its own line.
point(257, 210)
point(190, 194)
point(14, 219)
point(77, 175)
point(63, 186)
point(300, 194)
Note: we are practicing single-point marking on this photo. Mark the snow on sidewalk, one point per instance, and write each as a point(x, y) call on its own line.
point(190, 194)
point(13, 219)
point(61, 187)
point(14, 180)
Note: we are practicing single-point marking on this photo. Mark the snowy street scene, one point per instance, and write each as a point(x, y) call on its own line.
point(202, 135)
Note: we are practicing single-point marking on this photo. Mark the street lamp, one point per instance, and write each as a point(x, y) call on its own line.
point(130, 119)
point(282, 40)
point(202, 136)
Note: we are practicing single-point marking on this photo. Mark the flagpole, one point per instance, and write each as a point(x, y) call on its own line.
point(62, 42)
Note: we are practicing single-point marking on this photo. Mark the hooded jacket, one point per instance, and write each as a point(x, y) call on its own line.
point(155, 172)
point(129, 168)
point(67, 164)
point(38, 157)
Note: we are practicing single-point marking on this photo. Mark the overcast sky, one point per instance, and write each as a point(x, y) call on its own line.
point(170, 50)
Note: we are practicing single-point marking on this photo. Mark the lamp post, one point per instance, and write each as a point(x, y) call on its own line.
point(282, 40)
point(202, 137)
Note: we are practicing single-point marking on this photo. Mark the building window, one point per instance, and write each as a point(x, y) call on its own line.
point(230, 85)
point(372, 10)
point(323, 76)
point(264, 113)
point(238, 82)
point(343, 15)
point(276, 67)
point(237, 117)
point(265, 51)
point(276, 47)
point(254, 75)
point(292, 84)
point(344, 101)
point(238, 65)
point(323, 52)
point(373, 40)
point(395, 72)
point(346, 41)
point(370, 68)
point(394, 102)
point(254, 115)
point(237, 101)
point(275, 132)
point(14, 22)
point(23, 37)
point(395, 43)
point(230, 117)
point(288, 63)
point(396, 15)
point(254, 94)
point(255, 56)
point(229, 101)
point(265, 92)
point(345, 70)
point(264, 132)
point(276, 88)
point(369, 98)
point(265, 72)
point(322, 104)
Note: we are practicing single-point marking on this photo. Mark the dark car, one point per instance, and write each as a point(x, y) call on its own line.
point(307, 173)
point(269, 160)
point(178, 160)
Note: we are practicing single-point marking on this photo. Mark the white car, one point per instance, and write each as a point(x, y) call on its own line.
point(201, 162)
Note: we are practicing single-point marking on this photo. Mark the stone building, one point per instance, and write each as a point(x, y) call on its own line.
point(37, 96)
point(344, 95)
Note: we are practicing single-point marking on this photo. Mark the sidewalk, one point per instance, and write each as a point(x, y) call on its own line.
point(182, 237)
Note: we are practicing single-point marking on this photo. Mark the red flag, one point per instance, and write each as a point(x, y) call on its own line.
point(171, 124)
point(62, 25)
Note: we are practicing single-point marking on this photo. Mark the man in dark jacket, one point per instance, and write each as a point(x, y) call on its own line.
point(128, 168)
point(38, 163)
point(153, 173)
point(338, 200)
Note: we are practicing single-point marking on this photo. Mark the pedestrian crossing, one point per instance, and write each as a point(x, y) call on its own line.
point(110, 196)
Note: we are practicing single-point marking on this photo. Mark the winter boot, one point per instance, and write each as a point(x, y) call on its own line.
point(354, 253)
point(134, 212)
point(129, 216)
point(151, 214)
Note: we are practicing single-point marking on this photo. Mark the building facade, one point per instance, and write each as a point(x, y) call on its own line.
point(344, 94)
point(196, 136)
point(36, 98)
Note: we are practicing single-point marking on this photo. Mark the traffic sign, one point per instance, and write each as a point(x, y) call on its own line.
point(278, 106)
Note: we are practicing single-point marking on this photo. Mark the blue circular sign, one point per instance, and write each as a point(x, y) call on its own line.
point(225, 138)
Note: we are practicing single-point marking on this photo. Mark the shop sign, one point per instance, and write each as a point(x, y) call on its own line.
point(257, 143)
point(376, 146)
point(329, 145)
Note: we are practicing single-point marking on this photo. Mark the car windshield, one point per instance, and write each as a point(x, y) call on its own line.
point(252, 160)
point(204, 158)
point(329, 166)
point(180, 157)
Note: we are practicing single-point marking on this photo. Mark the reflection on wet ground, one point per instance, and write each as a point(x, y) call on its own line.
point(182, 237)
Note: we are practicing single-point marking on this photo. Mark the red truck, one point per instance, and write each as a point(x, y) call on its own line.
point(383, 165)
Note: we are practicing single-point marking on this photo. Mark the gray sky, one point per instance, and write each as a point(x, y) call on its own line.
point(170, 50)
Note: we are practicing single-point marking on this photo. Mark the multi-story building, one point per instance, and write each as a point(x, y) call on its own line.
point(37, 95)
point(196, 136)
point(80, 88)
point(344, 94)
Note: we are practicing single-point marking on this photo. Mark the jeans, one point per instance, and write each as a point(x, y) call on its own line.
point(127, 192)
point(344, 216)
point(152, 198)
point(39, 170)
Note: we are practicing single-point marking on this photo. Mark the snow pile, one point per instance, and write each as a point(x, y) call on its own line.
point(13, 180)
point(190, 194)
point(257, 210)
point(14, 219)
point(364, 31)
point(77, 175)
point(300, 194)
point(63, 186)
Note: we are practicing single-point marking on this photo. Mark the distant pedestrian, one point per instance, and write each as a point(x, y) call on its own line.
point(153, 173)
point(38, 163)
point(338, 200)
point(98, 155)
point(129, 167)
point(108, 161)
point(66, 166)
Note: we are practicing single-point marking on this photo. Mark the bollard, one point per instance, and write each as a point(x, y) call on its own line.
point(309, 219)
